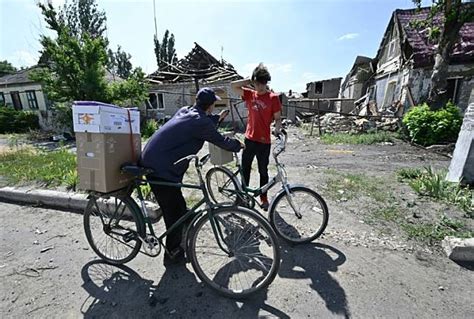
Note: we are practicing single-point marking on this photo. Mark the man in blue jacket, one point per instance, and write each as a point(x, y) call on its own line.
point(184, 134)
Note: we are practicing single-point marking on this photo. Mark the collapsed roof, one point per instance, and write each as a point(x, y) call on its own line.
point(197, 64)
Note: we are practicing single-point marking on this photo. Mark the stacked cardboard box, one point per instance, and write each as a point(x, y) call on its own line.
point(107, 136)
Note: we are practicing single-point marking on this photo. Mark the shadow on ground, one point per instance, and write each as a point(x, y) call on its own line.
point(119, 291)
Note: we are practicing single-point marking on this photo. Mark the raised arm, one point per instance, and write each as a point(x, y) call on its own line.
point(237, 86)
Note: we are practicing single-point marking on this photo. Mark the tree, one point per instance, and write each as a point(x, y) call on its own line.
point(119, 63)
point(454, 14)
point(165, 51)
point(77, 68)
point(6, 68)
point(83, 17)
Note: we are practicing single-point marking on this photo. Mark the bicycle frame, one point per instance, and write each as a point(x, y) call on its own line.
point(192, 214)
point(244, 190)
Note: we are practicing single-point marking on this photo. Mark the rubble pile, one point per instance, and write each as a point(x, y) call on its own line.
point(332, 123)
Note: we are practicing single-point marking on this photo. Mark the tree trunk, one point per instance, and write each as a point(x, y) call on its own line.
point(437, 97)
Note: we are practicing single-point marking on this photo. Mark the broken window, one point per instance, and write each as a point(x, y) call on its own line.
point(392, 48)
point(156, 101)
point(31, 98)
point(452, 89)
point(318, 88)
point(389, 93)
point(161, 101)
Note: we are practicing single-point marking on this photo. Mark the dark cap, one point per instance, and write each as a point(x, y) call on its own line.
point(206, 96)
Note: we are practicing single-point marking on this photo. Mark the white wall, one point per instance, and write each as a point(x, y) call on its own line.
point(22, 92)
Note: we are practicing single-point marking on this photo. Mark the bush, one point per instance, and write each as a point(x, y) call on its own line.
point(149, 128)
point(427, 127)
point(14, 121)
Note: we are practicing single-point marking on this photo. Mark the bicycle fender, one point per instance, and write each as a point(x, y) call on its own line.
point(282, 190)
point(239, 184)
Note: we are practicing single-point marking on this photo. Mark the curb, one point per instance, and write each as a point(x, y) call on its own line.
point(459, 249)
point(74, 202)
point(48, 198)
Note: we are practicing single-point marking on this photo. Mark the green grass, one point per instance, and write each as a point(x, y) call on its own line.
point(437, 231)
point(50, 169)
point(349, 186)
point(431, 183)
point(364, 138)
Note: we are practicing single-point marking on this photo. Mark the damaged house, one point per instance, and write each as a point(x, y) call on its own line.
point(356, 82)
point(404, 64)
point(175, 85)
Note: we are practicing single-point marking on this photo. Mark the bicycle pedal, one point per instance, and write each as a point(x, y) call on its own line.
point(131, 235)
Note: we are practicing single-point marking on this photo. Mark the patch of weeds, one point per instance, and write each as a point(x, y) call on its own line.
point(436, 232)
point(364, 138)
point(406, 174)
point(388, 213)
point(53, 168)
point(348, 186)
point(433, 184)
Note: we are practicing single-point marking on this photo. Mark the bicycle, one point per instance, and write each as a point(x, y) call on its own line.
point(232, 249)
point(289, 210)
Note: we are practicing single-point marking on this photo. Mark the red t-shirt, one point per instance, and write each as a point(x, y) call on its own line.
point(260, 114)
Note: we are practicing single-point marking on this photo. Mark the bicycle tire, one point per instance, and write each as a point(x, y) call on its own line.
point(130, 215)
point(236, 221)
point(291, 224)
point(213, 183)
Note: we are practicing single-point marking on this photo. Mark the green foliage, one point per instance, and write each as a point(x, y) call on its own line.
point(437, 231)
point(14, 121)
point(49, 168)
point(78, 58)
point(6, 68)
point(365, 138)
point(62, 117)
point(132, 91)
point(434, 184)
point(165, 50)
point(149, 128)
point(429, 127)
point(119, 63)
point(406, 174)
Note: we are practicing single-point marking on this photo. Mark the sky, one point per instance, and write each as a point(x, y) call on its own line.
point(299, 40)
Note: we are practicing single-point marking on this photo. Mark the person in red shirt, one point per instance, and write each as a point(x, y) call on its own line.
point(263, 108)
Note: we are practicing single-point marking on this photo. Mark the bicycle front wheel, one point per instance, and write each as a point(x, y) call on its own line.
point(252, 258)
point(222, 186)
point(113, 226)
point(301, 216)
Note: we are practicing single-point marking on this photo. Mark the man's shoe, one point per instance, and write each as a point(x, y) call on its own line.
point(264, 205)
point(176, 257)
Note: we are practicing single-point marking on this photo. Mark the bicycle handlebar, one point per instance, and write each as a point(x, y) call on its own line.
point(198, 162)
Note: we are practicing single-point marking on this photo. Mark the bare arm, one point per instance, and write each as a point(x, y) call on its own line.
point(237, 86)
point(277, 119)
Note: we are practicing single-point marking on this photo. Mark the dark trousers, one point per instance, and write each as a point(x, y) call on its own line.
point(262, 152)
point(173, 206)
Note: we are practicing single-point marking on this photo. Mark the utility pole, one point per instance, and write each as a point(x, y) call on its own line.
point(154, 15)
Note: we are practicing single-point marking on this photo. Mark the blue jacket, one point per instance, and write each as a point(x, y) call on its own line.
point(184, 134)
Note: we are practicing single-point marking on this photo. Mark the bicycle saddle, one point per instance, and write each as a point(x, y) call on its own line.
point(135, 170)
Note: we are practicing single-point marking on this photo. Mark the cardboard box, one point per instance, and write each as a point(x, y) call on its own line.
point(97, 117)
point(100, 156)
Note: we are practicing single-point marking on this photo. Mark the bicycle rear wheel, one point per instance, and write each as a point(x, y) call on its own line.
point(253, 259)
point(311, 221)
point(113, 226)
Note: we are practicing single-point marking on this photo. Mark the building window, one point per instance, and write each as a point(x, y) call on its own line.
point(452, 89)
point(2, 99)
point(32, 102)
point(318, 88)
point(389, 94)
point(391, 48)
point(15, 95)
point(156, 101)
